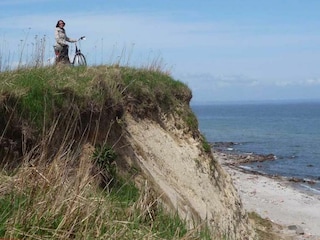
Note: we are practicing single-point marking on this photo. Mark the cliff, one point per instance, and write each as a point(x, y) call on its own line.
point(186, 178)
point(145, 116)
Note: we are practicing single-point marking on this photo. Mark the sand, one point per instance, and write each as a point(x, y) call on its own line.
point(186, 178)
point(276, 199)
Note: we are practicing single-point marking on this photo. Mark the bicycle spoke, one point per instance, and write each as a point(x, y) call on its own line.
point(79, 60)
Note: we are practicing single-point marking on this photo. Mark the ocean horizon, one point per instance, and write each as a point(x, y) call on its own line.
point(288, 129)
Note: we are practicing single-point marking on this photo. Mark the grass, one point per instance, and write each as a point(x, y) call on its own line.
point(60, 131)
point(61, 200)
point(264, 227)
point(42, 92)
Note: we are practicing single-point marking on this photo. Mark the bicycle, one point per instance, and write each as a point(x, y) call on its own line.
point(78, 59)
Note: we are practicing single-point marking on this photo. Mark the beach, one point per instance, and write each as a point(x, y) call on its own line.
point(275, 199)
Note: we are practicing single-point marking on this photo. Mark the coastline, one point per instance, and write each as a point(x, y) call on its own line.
point(275, 198)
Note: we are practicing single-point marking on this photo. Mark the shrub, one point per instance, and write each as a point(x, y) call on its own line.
point(104, 157)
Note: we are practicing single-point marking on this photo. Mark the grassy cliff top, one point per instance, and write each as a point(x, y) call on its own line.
point(40, 94)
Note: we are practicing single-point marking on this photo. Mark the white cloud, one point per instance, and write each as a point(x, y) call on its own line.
point(307, 82)
point(217, 81)
point(284, 83)
point(312, 81)
point(18, 2)
point(160, 30)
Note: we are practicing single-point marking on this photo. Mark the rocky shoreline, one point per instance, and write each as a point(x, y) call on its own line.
point(239, 160)
point(272, 197)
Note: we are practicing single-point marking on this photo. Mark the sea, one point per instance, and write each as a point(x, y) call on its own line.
point(289, 130)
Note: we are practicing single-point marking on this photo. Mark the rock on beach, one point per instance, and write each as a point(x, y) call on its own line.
point(274, 198)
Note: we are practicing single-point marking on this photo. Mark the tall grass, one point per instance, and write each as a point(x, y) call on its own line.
point(55, 193)
point(50, 88)
point(57, 196)
point(27, 53)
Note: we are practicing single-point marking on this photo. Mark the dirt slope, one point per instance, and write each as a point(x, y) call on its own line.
point(188, 179)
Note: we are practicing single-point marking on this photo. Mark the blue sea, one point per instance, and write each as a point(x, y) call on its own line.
point(289, 130)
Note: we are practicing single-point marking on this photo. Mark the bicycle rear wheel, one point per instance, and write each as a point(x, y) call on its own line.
point(79, 60)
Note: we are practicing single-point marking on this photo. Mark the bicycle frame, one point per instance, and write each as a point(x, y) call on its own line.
point(79, 59)
point(78, 49)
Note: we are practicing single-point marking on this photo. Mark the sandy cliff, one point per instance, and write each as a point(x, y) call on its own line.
point(187, 179)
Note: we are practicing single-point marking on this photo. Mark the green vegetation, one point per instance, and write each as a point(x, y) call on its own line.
point(47, 205)
point(60, 132)
point(265, 228)
point(205, 144)
point(104, 157)
point(39, 93)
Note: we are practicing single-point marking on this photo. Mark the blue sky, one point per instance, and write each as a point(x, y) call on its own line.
point(227, 50)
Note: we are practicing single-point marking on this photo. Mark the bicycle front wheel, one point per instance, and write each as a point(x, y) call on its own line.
point(79, 60)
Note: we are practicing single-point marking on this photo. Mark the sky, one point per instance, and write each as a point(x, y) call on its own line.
point(225, 51)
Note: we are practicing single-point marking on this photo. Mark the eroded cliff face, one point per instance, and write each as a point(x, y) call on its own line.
point(172, 160)
point(185, 178)
point(146, 129)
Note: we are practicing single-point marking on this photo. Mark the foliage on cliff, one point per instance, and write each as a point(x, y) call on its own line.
point(40, 93)
point(61, 131)
point(32, 100)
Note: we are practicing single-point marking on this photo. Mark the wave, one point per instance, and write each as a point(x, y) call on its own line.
point(310, 188)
